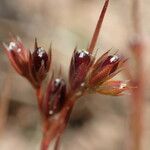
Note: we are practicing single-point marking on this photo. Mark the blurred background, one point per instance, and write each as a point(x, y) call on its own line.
point(97, 122)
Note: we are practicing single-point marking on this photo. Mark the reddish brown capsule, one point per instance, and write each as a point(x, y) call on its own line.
point(40, 63)
point(55, 97)
point(80, 63)
point(40, 58)
point(110, 60)
point(105, 68)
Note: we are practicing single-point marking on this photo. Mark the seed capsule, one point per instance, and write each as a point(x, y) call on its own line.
point(112, 59)
point(105, 68)
point(40, 58)
point(55, 97)
point(40, 63)
point(79, 66)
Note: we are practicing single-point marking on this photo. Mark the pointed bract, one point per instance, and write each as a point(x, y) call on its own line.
point(18, 55)
point(113, 88)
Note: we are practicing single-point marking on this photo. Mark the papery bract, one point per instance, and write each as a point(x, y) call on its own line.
point(113, 88)
point(18, 56)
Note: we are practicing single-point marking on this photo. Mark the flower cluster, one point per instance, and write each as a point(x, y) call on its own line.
point(86, 75)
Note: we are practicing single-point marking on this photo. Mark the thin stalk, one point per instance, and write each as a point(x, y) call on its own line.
point(57, 143)
point(137, 106)
point(98, 27)
point(57, 125)
point(39, 97)
point(136, 120)
point(4, 103)
point(137, 93)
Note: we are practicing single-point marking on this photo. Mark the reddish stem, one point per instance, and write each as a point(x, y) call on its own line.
point(136, 119)
point(39, 94)
point(137, 100)
point(137, 94)
point(57, 143)
point(56, 125)
point(98, 27)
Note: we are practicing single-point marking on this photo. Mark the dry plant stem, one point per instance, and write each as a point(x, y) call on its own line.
point(137, 106)
point(4, 103)
point(136, 119)
point(137, 94)
point(98, 27)
point(57, 124)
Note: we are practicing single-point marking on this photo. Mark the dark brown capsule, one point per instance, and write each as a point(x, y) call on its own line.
point(79, 66)
point(39, 63)
point(55, 97)
point(40, 58)
point(80, 57)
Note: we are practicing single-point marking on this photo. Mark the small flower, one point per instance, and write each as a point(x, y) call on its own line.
point(106, 67)
point(113, 88)
point(31, 66)
point(18, 56)
point(55, 97)
point(80, 63)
